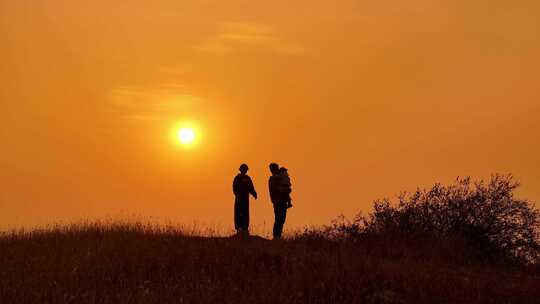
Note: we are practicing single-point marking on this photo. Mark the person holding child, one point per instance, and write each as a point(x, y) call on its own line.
point(279, 185)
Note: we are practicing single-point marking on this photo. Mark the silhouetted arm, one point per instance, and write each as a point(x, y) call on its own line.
point(272, 189)
point(252, 189)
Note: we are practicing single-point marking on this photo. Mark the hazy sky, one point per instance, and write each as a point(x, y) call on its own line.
point(359, 99)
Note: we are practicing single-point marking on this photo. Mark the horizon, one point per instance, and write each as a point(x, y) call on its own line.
point(146, 110)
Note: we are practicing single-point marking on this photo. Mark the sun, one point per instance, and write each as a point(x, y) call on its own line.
point(186, 136)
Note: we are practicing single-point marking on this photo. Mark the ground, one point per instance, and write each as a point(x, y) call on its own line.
point(136, 264)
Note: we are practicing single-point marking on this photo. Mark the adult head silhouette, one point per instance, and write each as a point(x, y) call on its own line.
point(274, 168)
point(243, 168)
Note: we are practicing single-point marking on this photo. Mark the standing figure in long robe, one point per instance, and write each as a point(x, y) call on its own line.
point(242, 188)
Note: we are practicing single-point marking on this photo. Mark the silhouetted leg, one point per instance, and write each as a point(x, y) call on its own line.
point(237, 213)
point(245, 216)
point(280, 214)
point(241, 215)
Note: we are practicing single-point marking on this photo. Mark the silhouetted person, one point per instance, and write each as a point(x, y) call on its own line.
point(280, 189)
point(242, 188)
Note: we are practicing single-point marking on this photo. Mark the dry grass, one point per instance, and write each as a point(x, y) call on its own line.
point(136, 263)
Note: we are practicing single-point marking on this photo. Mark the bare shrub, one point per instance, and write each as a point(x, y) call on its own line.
point(485, 213)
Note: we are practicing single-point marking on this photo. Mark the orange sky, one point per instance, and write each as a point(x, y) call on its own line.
point(359, 99)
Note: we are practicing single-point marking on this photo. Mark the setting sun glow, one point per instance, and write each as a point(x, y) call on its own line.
point(186, 136)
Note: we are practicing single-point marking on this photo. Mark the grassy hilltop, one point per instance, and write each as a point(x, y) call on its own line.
point(463, 243)
point(142, 264)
